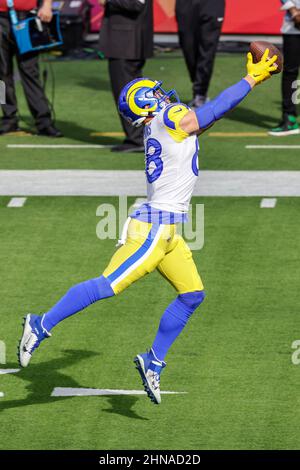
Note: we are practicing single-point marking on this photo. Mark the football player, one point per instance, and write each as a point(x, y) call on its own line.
point(171, 148)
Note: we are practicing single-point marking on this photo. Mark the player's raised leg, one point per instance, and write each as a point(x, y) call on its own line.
point(37, 327)
point(144, 249)
point(180, 270)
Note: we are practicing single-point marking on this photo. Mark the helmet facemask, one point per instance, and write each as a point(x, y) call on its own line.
point(144, 101)
point(164, 98)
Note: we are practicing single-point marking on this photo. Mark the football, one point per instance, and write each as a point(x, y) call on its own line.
point(258, 48)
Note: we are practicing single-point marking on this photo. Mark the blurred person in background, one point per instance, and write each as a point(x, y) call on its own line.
point(291, 51)
point(126, 39)
point(29, 71)
point(199, 28)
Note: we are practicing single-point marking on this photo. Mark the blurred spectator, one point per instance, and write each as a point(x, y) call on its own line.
point(291, 51)
point(199, 27)
point(126, 39)
point(29, 71)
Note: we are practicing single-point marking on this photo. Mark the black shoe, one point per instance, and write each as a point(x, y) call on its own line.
point(7, 128)
point(288, 126)
point(50, 131)
point(198, 101)
point(128, 148)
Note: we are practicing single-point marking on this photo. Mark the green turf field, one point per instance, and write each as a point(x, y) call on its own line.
point(233, 359)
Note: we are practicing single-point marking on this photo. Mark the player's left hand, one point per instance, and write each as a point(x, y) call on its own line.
point(262, 70)
point(45, 13)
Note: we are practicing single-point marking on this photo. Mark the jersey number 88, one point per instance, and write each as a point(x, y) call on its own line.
point(154, 163)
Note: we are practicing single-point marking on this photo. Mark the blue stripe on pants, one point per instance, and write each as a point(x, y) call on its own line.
point(136, 256)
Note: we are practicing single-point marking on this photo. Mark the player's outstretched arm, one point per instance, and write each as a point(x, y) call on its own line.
point(196, 122)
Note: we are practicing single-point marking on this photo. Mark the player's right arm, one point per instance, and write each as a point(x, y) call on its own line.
point(197, 122)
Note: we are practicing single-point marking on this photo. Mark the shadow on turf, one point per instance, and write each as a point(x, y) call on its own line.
point(72, 130)
point(44, 377)
point(97, 85)
point(249, 116)
point(123, 405)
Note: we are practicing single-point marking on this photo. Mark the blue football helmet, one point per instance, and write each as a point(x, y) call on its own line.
point(143, 98)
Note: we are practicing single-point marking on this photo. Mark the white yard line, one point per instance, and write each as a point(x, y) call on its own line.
point(268, 203)
point(9, 371)
point(272, 147)
point(132, 183)
point(17, 202)
point(91, 392)
point(58, 146)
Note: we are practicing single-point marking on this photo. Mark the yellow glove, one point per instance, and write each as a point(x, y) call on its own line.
point(262, 70)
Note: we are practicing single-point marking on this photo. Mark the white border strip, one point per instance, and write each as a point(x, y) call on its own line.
point(92, 392)
point(272, 147)
point(17, 202)
point(58, 146)
point(132, 183)
point(268, 203)
point(9, 371)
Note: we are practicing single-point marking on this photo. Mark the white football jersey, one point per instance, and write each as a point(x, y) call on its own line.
point(171, 161)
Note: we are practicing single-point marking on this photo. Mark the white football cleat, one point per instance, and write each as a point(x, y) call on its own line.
point(33, 335)
point(150, 369)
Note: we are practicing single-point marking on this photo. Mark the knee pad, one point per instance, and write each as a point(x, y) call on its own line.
point(192, 300)
point(96, 289)
point(104, 287)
